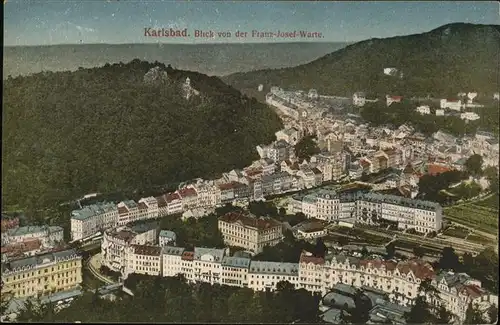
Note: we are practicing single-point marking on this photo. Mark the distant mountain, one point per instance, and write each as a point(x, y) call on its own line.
point(447, 60)
point(122, 127)
point(210, 59)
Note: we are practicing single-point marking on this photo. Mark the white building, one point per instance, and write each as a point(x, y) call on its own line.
point(423, 109)
point(290, 135)
point(207, 264)
point(452, 104)
point(143, 259)
point(266, 275)
point(439, 112)
point(470, 116)
point(235, 271)
point(312, 94)
point(311, 271)
point(152, 209)
point(48, 235)
point(115, 244)
point(172, 261)
point(368, 208)
point(359, 99)
point(247, 231)
point(128, 211)
point(93, 218)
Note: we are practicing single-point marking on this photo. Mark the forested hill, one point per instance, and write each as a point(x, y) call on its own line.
point(450, 59)
point(104, 130)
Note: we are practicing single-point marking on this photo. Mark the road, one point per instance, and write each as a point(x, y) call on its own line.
point(93, 264)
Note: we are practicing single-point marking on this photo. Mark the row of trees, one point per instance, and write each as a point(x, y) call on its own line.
point(172, 299)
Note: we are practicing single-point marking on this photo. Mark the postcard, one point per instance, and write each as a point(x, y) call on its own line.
point(250, 162)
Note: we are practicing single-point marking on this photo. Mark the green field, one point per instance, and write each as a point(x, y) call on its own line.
point(457, 232)
point(480, 215)
point(491, 202)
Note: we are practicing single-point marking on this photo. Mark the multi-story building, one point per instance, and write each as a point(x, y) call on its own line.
point(247, 231)
point(266, 275)
point(152, 209)
point(187, 265)
point(174, 203)
point(207, 265)
point(172, 261)
point(115, 243)
point(189, 198)
point(143, 259)
point(207, 196)
point(369, 208)
point(48, 235)
point(235, 271)
point(42, 274)
point(311, 272)
point(93, 218)
point(128, 211)
point(162, 205)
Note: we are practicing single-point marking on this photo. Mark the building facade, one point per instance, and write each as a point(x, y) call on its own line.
point(42, 275)
point(248, 231)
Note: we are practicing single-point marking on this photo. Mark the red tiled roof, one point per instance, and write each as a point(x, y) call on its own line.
point(146, 250)
point(452, 100)
point(250, 221)
point(253, 172)
point(187, 256)
point(421, 269)
point(473, 291)
point(311, 259)
point(364, 163)
point(230, 185)
point(187, 192)
point(169, 197)
point(434, 169)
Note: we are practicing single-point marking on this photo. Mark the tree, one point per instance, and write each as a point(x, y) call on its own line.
point(443, 315)
point(320, 249)
point(390, 250)
point(493, 314)
point(491, 173)
point(364, 251)
point(449, 259)
point(474, 164)
point(418, 251)
point(306, 148)
point(420, 312)
point(473, 315)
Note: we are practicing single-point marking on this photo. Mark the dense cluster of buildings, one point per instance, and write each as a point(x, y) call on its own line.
point(349, 149)
point(370, 208)
point(19, 241)
point(128, 251)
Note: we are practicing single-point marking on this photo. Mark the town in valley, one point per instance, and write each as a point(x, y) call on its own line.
point(363, 217)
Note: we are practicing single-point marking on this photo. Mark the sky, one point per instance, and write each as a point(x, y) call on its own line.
point(53, 22)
